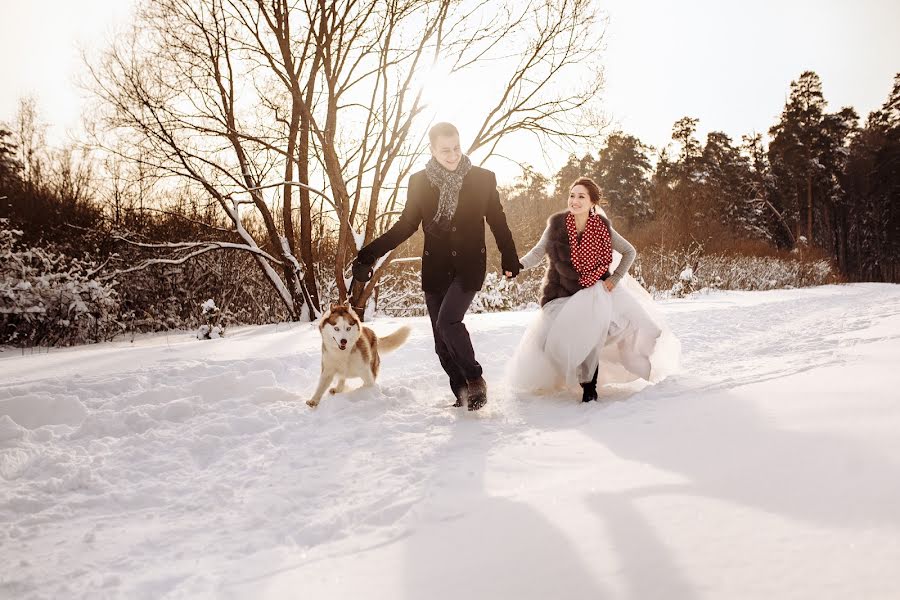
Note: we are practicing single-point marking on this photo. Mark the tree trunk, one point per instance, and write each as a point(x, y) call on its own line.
point(809, 210)
point(306, 253)
point(842, 239)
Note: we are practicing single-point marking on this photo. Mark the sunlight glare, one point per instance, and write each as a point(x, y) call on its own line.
point(438, 86)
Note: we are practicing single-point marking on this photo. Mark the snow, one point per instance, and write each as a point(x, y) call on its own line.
point(170, 468)
point(358, 239)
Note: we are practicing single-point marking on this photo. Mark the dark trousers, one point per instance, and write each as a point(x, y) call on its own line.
point(451, 339)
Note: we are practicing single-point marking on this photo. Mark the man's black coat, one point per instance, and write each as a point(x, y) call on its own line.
point(461, 250)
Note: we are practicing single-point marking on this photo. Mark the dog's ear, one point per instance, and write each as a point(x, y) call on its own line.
point(335, 306)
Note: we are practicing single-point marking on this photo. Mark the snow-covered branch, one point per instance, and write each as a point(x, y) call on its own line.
point(211, 245)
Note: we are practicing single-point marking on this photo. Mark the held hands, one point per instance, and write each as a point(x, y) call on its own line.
point(512, 270)
point(609, 285)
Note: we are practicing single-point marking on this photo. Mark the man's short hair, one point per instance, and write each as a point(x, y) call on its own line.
point(441, 130)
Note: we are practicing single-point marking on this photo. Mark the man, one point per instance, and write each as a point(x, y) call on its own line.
point(451, 198)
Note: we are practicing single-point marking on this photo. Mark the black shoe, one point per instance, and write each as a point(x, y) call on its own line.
point(461, 392)
point(590, 388)
point(477, 396)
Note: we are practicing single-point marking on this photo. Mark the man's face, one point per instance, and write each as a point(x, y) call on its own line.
point(446, 151)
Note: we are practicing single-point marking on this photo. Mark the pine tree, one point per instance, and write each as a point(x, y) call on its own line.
point(870, 215)
point(683, 132)
point(676, 186)
point(888, 118)
point(528, 206)
point(837, 131)
point(762, 190)
point(622, 170)
point(727, 187)
point(573, 169)
point(806, 155)
point(10, 169)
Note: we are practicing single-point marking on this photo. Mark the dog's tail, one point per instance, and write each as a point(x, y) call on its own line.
point(394, 340)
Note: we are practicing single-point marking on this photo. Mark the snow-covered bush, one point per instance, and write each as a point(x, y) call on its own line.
point(169, 297)
point(677, 273)
point(763, 273)
point(685, 284)
point(212, 326)
point(495, 295)
point(664, 273)
point(47, 298)
point(399, 294)
point(499, 293)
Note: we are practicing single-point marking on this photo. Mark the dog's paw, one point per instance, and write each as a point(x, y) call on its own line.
point(312, 403)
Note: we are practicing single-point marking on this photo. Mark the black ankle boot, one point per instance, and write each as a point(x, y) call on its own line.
point(477, 393)
point(590, 388)
point(461, 391)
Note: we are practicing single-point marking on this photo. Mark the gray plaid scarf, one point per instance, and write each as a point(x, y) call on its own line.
point(449, 183)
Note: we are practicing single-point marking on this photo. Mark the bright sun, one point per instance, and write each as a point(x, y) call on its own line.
point(439, 87)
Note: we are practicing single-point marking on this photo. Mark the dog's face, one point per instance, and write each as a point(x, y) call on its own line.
point(340, 327)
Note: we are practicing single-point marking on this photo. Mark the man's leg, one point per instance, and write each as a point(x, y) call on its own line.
point(433, 301)
point(456, 337)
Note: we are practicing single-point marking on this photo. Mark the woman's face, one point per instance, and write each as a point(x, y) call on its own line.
point(579, 200)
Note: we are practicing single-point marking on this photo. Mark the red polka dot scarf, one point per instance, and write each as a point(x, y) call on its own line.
point(591, 256)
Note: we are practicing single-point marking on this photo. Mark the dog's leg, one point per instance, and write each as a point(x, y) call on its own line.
point(367, 377)
point(324, 381)
point(339, 387)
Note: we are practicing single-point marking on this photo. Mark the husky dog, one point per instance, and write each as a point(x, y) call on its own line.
point(350, 350)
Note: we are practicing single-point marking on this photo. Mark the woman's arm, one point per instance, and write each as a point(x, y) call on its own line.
point(623, 247)
point(536, 254)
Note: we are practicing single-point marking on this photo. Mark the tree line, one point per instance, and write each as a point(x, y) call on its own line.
point(823, 183)
point(219, 164)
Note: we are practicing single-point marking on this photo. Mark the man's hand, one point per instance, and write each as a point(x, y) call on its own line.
point(362, 272)
point(512, 270)
point(609, 285)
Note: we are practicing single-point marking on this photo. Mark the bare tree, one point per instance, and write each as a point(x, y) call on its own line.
point(249, 99)
point(31, 141)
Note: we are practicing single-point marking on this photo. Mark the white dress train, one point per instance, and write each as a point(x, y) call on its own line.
point(623, 329)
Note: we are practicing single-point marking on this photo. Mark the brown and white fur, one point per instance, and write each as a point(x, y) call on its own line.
point(350, 350)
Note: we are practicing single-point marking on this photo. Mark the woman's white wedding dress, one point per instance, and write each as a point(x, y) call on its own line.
point(624, 328)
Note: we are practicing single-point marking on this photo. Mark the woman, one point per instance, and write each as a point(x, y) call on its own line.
point(595, 320)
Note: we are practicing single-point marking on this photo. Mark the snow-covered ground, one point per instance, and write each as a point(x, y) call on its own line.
point(177, 468)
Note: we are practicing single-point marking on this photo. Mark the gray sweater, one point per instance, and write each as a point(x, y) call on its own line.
point(619, 244)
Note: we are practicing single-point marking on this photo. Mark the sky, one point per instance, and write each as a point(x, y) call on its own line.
point(727, 63)
point(40, 46)
point(730, 64)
